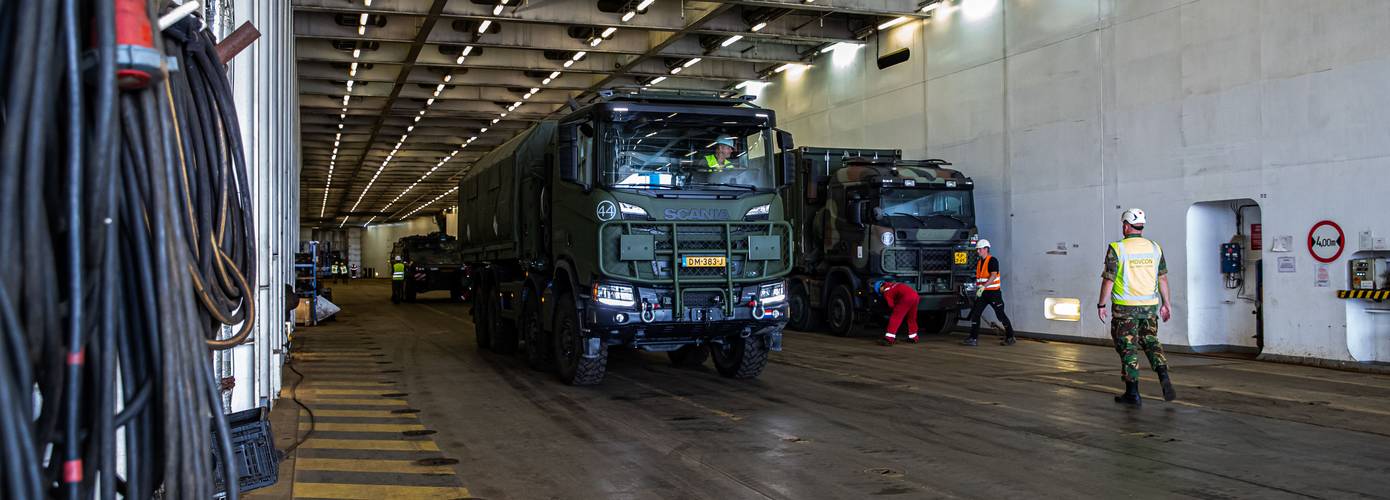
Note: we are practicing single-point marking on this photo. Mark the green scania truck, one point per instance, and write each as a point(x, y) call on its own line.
point(867, 214)
point(647, 219)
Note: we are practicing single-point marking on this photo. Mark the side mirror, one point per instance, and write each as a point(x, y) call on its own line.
point(856, 212)
point(784, 140)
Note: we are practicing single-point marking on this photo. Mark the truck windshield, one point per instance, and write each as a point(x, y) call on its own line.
point(689, 151)
point(918, 202)
point(435, 253)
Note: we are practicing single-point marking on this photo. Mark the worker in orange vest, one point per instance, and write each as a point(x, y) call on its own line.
point(988, 293)
point(902, 299)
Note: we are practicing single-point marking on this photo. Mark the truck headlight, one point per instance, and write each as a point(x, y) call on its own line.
point(614, 295)
point(631, 211)
point(887, 238)
point(759, 212)
point(773, 293)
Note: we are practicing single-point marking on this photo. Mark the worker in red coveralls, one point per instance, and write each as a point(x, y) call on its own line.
point(902, 299)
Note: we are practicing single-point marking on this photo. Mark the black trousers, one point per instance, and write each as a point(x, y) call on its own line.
point(397, 290)
point(995, 300)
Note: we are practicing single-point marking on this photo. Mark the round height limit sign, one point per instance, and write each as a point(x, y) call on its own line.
point(1326, 241)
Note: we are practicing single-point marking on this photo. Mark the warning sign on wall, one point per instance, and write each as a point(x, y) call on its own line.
point(1257, 237)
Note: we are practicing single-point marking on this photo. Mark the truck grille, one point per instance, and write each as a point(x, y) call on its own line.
point(913, 260)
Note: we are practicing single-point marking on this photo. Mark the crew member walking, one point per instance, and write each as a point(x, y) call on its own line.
point(397, 281)
point(902, 299)
point(1136, 282)
point(988, 293)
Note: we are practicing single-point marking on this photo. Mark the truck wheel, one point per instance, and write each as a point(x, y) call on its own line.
point(740, 357)
point(570, 363)
point(690, 356)
point(839, 314)
point(456, 294)
point(503, 332)
point(534, 348)
point(802, 317)
point(942, 322)
point(482, 331)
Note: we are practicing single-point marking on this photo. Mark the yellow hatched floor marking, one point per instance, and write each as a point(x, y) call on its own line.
point(345, 383)
point(354, 401)
point(358, 414)
point(354, 465)
point(341, 427)
point(369, 444)
point(376, 491)
point(309, 391)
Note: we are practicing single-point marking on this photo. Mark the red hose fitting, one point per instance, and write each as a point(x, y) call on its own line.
point(137, 62)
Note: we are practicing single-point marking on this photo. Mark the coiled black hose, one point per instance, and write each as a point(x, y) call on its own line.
point(126, 217)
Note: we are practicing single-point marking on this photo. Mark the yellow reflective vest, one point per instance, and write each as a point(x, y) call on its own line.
point(1136, 276)
point(398, 271)
point(715, 166)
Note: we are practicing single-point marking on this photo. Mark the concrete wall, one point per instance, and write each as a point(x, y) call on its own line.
point(377, 239)
point(1068, 111)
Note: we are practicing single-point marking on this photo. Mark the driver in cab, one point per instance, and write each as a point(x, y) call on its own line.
point(719, 161)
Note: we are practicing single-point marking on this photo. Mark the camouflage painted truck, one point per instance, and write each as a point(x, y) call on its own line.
point(609, 227)
point(432, 263)
point(864, 215)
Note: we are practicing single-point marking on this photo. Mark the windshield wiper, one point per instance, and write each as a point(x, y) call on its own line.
point(744, 186)
point(948, 214)
point(914, 216)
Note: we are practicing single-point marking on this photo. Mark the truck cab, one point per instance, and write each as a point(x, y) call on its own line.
point(432, 263)
point(656, 224)
point(876, 216)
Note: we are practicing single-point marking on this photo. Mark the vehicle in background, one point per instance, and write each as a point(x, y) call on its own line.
point(610, 227)
point(863, 215)
point(432, 263)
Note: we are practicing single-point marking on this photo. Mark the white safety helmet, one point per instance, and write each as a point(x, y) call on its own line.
point(1133, 217)
point(726, 140)
point(982, 244)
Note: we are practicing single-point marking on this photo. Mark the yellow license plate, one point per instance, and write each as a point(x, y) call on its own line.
point(962, 258)
point(703, 261)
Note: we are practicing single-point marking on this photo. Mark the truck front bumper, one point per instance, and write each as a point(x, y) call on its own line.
point(655, 326)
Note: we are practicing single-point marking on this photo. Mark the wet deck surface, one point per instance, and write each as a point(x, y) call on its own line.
point(831, 418)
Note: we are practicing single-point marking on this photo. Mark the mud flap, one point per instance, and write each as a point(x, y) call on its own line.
point(774, 339)
point(592, 347)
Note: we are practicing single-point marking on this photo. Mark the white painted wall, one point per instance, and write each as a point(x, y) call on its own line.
point(1067, 111)
point(377, 239)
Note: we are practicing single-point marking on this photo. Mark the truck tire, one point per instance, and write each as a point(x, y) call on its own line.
point(456, 294)
point(802, 316)
point(535, 349)
point(839, 313)
point(570, 363)
point(690, 356)
point(481, 324)
point(504, 335)
point(740, 357)
point(941, 322)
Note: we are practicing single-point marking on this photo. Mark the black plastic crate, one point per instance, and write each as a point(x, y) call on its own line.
point(257, 460)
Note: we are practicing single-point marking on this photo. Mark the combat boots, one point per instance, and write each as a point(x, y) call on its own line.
point(1168, 393)
point(1131, 395)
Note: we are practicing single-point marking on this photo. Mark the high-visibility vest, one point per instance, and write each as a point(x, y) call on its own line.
point(398, 271)
point(1136, 279)
point(982, 279)
point(715, 166)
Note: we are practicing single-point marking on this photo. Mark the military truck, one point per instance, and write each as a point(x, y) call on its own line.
point(867, 214)
point(432, 263)
point(613, 226)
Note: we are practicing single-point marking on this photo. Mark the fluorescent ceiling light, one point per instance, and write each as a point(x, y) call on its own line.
point(691, 62)
point(891, 23)
point(931, 6)
point(554, 74)
point(497, 10)
point(460, 60)
point(628, 17)
point(569, 63)
point(595, 42)
point(579, 55)
point(730, 41)
point(609, 32)
point(467, 50)
point(759, 27)
point(363, 19)
point(645, 4)
point(482, 28)
point(657, 80)
point(676, 70)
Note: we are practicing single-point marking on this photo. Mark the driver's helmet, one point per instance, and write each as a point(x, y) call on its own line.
point(726, 140)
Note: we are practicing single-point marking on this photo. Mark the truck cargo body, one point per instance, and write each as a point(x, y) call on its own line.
point(865, 215)
point(609, 227)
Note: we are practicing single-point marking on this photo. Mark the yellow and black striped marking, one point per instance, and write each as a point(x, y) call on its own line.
point(367, 443)
point(1364, 294)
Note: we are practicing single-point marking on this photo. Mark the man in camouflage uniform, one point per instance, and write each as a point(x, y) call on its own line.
point(1136, 281)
